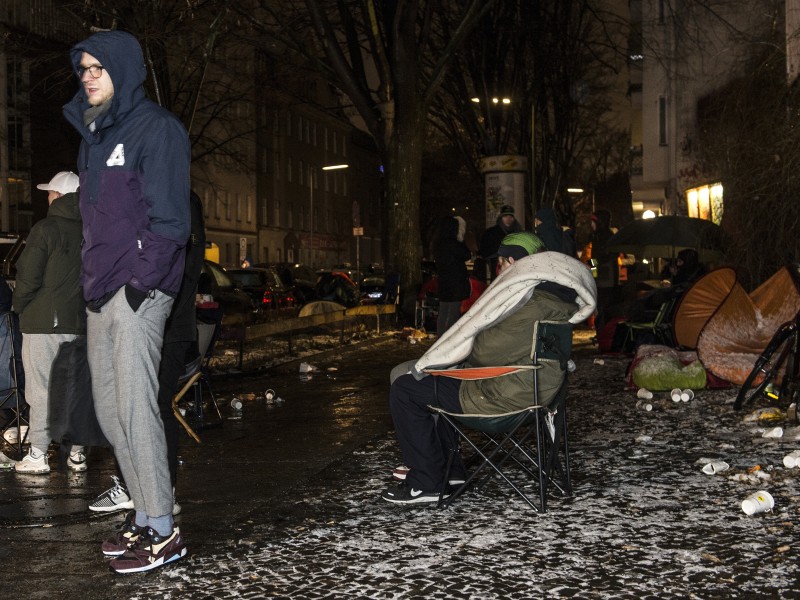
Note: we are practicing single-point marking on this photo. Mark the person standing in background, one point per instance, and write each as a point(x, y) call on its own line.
point(451, 255)
point(490, 241)
point(48, 299)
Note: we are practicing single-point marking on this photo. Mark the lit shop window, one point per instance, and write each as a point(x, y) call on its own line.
point(706, 202)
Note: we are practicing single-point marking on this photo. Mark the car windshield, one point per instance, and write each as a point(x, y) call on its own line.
point(246, 278)
point(220, 277)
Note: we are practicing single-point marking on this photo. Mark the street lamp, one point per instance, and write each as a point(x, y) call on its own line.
point(311, 201)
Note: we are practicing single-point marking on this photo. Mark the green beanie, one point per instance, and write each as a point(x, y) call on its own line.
point(519, 245)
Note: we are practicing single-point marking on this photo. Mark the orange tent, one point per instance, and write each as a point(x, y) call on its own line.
point(729, 327)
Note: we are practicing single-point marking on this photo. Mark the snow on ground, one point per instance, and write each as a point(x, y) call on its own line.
point(644, 521)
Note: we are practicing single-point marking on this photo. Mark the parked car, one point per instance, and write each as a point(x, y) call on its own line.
point(237, 307)
point(379, 288)
point(337, 286)
point(264, 287)
point(300, 280)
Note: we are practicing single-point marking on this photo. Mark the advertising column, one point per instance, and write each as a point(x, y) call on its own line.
point(505, 184)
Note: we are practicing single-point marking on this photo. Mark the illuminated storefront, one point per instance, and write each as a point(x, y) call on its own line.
point(705, 202)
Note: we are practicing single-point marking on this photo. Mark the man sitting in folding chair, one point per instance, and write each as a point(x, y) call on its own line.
point(497, 330)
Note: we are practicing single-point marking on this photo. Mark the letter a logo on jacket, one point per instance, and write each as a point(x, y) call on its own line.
point(117, 158)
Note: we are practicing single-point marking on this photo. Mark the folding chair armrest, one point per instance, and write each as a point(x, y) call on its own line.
point(475, 373)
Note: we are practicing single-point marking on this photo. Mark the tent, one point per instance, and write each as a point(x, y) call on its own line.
point(729, 327)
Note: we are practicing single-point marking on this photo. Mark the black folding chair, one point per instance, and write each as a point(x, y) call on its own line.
point(12, 397)
point(523, 447)
point(195, 378)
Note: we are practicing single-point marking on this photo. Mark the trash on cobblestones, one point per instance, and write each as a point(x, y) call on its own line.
point(644, 438)
point(236, 406)
point(279, 400)
point(770, 413)
point(758, 502)
point(792, 460)
point(599, 361)
point(643, 405)
point(716, 466)
point(644, 394)
point(571, 366)
point(676, 394)
point(687, 395)
point(791, 412)
point(6, 462)
point(307, 368)
point(269, 396)
point(775, 432)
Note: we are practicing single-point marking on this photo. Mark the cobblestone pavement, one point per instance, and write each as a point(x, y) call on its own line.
point(644, 521)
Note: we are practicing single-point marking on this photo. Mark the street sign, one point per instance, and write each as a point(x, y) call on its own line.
point(358, 231)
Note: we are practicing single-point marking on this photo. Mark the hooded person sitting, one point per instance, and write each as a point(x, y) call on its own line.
point(532, 286)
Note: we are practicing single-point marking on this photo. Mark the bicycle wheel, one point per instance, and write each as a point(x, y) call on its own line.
point(765, 366)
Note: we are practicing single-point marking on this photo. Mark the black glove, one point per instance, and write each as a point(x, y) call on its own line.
point(134, 297)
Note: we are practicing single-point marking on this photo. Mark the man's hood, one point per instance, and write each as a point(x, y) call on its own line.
point(547, 216)
point(121, 56)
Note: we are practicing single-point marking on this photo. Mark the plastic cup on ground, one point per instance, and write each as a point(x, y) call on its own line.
point(715, 466)
point(599, 361)
point(775, 432)
point(676, 395)
point(644, 405)
point(236, 404)
point(269, 396)
point(687, 395)
point(792, 460)
point(758, 502)
point(644, 394)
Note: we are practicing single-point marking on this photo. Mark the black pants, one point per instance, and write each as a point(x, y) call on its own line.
point(424, 440)
point(173, 359)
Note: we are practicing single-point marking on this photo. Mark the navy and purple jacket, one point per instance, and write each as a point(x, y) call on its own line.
point(134, 174)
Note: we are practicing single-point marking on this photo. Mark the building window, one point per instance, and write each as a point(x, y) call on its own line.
point(662, 120)
point(249, 208)
point(228, 203)
point(289, 170)
point(706, 202)
point(239, 207)
point(277, 213)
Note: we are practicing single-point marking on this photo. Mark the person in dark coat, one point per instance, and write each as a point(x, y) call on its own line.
point(550, 232)
point(134, 162)
point(606, 265)
point(47, 297)
point(451, 255)
point(490, 241)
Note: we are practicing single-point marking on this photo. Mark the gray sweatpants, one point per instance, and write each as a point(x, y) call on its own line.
point(38, 353)
point(124, 350)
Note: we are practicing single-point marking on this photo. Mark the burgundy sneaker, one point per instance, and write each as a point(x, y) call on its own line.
point(124, 538)
point(150, 551)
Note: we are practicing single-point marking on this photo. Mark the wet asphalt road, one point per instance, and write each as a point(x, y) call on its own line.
point(284, 503)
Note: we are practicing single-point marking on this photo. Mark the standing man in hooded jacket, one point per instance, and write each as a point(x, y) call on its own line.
point(134, 199)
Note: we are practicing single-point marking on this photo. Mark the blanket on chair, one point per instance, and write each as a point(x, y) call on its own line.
point(511, 290)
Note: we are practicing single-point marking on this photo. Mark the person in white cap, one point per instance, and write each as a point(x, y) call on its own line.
point(48, 298)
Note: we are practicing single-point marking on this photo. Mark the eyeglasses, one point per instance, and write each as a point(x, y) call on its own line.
point(94, 70)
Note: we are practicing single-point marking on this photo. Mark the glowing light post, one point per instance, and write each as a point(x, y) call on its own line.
point(311, 202)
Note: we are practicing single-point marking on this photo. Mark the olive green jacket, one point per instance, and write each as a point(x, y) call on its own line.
point(509, 343)
point(47, 292)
